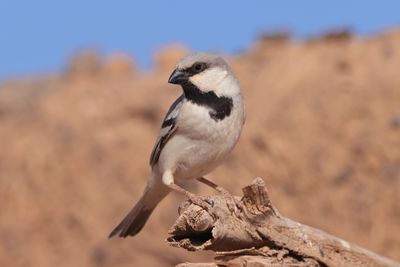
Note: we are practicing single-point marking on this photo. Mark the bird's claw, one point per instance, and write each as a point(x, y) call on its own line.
point(233, 204)
point(202, 202)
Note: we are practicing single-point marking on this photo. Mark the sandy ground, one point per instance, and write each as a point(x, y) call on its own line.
point(322, 129)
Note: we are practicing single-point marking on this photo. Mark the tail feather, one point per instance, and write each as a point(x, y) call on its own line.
point(140, 213)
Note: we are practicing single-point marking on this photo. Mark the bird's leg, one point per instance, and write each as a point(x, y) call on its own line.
point(168, 180)
point(231, 201)
point(197, 200)
point(215, 186)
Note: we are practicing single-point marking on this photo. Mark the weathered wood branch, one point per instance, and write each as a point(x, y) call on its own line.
point(251, 232)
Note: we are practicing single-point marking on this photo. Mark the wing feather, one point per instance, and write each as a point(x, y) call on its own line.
point(168, 128)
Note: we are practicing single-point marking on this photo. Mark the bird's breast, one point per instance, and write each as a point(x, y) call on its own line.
point(200, 143)
point(197, 123)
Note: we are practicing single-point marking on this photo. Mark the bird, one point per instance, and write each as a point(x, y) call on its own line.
point(199, 131)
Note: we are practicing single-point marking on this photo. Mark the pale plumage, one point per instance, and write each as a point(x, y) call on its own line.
point(198, 132)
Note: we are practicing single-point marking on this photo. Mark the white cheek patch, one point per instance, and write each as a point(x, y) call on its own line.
point(209, 80)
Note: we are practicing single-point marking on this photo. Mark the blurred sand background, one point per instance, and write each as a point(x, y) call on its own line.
point(322, 129)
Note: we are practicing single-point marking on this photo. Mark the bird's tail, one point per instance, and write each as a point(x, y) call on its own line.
point(137, 217)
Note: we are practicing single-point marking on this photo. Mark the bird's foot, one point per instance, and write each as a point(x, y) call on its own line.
point(233, 204)
point(223, 191)
point(202, 202)
point(197, 200)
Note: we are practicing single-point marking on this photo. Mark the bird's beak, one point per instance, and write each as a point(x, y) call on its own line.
point(178, 77)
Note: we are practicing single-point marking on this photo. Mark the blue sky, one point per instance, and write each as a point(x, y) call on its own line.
point(39, 36)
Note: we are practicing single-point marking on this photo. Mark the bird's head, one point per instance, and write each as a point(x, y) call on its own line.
point(207, 72)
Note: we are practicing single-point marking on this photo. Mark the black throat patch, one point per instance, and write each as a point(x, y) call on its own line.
point(221, 106)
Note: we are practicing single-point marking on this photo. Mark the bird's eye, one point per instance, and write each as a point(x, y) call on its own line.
point(198, 67)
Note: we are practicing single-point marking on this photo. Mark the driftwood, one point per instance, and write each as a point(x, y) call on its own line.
point(251, 232)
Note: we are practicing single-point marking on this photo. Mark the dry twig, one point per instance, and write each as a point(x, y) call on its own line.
point(251, 232)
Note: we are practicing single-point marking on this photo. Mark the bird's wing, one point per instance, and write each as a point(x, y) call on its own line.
point(168, 128)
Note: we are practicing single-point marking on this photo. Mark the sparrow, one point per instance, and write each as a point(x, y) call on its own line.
point(198, 132)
